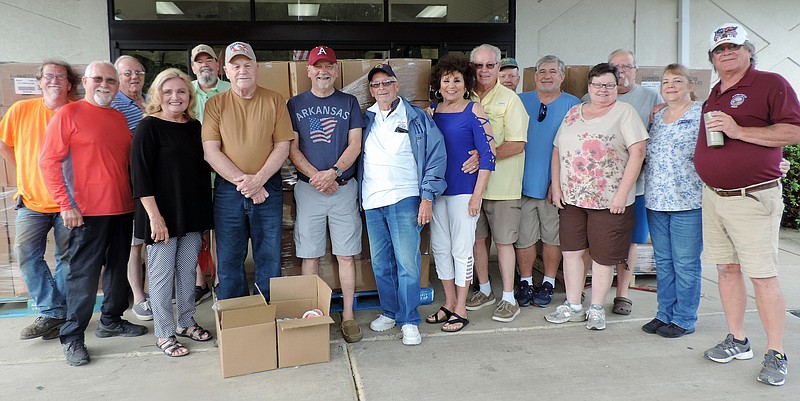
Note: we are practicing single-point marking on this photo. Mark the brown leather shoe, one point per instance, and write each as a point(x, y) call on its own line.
point(351, 331)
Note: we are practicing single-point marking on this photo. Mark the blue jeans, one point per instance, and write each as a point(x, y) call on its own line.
point(48, 290)
point(677, 243)
point(394, 246)
point(237, 219)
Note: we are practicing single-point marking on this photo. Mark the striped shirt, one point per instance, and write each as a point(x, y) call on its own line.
point(133, 114)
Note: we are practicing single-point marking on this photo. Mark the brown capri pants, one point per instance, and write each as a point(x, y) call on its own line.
point(606, 235)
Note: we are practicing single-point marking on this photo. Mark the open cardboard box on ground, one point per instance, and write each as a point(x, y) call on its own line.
point(301, 341)
point(246, 335)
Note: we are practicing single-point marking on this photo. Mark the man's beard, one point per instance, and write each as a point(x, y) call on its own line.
point(103, 98)
point(207, 78)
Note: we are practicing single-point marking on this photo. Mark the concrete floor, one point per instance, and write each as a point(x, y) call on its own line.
point(526, 359)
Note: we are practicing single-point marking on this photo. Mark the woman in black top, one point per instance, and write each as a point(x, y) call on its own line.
point(173, 205)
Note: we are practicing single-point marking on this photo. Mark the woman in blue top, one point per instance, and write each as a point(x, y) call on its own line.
point(455, 213)
point(673, 197)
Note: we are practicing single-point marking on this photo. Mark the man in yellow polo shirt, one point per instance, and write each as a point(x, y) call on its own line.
point(500, 211)
point(21, 135)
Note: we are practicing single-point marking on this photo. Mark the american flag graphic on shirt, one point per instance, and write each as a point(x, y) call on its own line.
point(322, 129)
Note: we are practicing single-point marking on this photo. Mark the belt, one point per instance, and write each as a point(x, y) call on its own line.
point(744, 191)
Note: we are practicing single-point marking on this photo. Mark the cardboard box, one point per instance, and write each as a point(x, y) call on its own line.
point(299, 81)
point(301, 341)
point(246, 335)
point(414, 75)
point(274, 75)
point(355, 71)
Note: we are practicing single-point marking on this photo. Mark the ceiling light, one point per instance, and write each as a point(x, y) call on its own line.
point(303, 10)
point(433, 12)
point(168, 8)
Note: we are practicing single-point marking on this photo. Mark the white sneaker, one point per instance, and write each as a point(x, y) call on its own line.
point(411, 334)
point(382, 323)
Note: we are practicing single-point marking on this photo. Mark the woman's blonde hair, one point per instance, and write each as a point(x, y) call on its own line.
point(154, 99)
point(680, 69)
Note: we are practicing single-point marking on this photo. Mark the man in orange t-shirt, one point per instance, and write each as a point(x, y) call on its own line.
point(21, 136)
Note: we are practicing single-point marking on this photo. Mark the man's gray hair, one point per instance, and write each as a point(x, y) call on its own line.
point(486, 46)
point(623, 51)
point(93, 64)
point(551, 59)
point(125, 57)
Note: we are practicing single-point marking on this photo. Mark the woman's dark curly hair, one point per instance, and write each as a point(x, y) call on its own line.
point(449, 64)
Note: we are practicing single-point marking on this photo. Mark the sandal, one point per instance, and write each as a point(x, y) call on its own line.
point(196, 333)
point(171, 346)
point(622, 306)
point(455, 319)
point(434, 318)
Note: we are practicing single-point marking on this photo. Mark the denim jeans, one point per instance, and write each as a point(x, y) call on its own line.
point(394, 245)
point(47, 290)
point(677, 243)
point(237, 219)
point(101, 240)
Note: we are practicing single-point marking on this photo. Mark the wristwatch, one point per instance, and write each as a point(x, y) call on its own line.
point(337, 171)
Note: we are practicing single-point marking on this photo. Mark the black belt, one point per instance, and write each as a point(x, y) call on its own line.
point(744, 191)
point(340, 181)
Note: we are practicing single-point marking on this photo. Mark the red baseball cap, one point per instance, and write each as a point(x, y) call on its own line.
point(321, 53)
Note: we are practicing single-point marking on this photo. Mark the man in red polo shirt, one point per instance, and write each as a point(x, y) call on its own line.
point(742, 200)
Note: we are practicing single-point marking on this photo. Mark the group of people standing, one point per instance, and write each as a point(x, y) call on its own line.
point(482, 164)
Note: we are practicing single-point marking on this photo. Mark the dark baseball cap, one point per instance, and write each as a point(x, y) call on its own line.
point(383, 67)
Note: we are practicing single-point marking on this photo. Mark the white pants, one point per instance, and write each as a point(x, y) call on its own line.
point(452, 237)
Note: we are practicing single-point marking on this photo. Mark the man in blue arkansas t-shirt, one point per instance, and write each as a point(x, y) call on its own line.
point(546, 106)
point(327, 126)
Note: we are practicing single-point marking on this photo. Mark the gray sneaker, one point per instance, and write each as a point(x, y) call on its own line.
point(596, 318)
point(76, 353)
point(774, 368)
point(727, 350)
point(564, 313)
point(478, 300)
point(505, 312)
point(122, 328)
point(142, 310)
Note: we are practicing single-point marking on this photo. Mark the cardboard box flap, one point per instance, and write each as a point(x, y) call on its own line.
point(244, 311)
point(308, 322)
point(323, 296)
point(289, 288)
point(241, 302)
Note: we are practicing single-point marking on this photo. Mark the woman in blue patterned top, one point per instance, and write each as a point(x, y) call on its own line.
point(673, 196)
point(455, 213)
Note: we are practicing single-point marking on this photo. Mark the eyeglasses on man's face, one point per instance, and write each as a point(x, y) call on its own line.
point(52, 77)
point(130, 73)
point(488, 66)
point(378, 84)
point(99, 80)
point(624, 67)
point(726, 47)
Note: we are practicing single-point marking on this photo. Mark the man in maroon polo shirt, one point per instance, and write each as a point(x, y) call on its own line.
point(742, 201)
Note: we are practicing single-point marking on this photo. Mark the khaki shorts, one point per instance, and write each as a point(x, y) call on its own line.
point(502, 218)
point(317, 213)
point(606, 235)
point(743, 230)
point(538, 220)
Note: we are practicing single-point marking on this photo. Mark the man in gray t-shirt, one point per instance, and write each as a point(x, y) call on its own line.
point(327, 127)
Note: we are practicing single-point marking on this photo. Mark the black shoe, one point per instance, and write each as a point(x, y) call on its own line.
point(524, 293)
point(76, 353)
point(41, 326)
point(673, 331)
point(544, 295)
point(201, 294)
point(653, 325)
point(123, 328)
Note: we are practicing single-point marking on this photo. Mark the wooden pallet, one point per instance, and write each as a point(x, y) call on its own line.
point(366, 300)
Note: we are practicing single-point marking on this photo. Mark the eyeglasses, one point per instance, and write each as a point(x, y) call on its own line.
point(99, 80)
point(600, 86)
point(624, 67)
point(378, 84)
point(129, 73)
point(542, 112)
point(726, 47)
point(489, 66)
point(51, 77)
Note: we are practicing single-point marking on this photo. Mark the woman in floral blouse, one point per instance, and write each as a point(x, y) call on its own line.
point(598, 153)
point(673, 198)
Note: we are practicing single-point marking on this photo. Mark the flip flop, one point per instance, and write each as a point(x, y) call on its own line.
point(456, 318)
point(434, 318)
point(622, 306)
